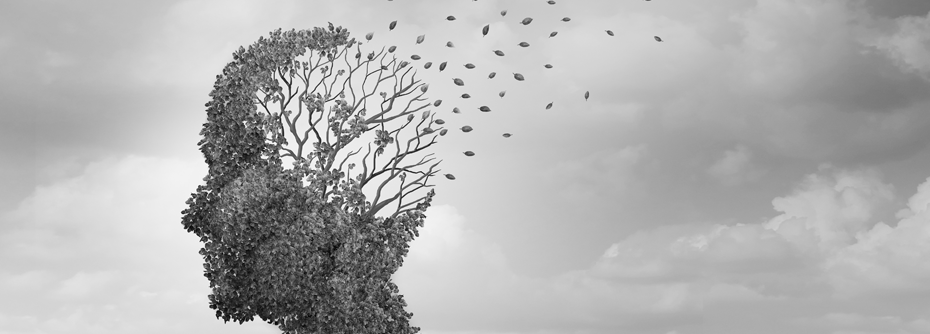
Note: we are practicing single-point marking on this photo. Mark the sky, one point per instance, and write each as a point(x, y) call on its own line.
point(764, 169)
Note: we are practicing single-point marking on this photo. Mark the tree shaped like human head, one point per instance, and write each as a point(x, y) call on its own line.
point(301, 126)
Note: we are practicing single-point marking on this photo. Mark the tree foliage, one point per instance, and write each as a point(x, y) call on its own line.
point(302, 247)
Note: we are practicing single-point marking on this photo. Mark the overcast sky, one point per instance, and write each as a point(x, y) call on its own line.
point(765, 169)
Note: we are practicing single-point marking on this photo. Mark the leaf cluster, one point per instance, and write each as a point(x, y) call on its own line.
point(275, 247)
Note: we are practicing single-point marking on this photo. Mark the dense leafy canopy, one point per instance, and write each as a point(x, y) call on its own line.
point(299, 247)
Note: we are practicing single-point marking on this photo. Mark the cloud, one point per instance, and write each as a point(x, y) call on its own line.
point(476, 287)
point(104, 252)
point(831, 210)
point(821, 257)
point(908, 45)
point(735, 167)
point(885, 259)
point(66, 277)
point(795, 79)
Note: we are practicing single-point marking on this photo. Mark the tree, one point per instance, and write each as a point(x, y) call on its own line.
point(302, 247)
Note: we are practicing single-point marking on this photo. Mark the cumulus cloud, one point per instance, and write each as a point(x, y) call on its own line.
point(104, 252)
point(822, 256)
point(908, 44)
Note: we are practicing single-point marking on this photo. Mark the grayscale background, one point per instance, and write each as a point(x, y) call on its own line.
point(763, 170)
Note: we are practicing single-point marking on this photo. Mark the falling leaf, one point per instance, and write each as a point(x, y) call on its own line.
point(427, 65)
point(450, 176)
point(502, 93)
point(420, 39)
point(552, 34)
point(609, 32)
point(551, 2)
point(549, 106)
point(507, 135)
point(524, 44)
point(392, 48)
point(437, 103)
point(415, 57)
point(548, 65)
point(456, 110)
point(442, 66)
point(450, 18)
point(566, 19)
point(526, 21)
point(518, 76)
point(491, 76)
point(466, 128)
point(586, 95)
point(439, 121)
point(469, 66)
point(484, 108)
point(658, 39)
point(469, 153)
point(369, 36)
point(392, 25)
point(457, 81)
point(449, 44)
point(443, 132)
point(484, 31)
point(499, 52)
point(465, 96)
point(503, 12)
